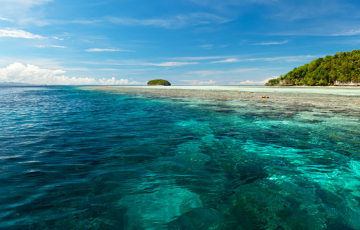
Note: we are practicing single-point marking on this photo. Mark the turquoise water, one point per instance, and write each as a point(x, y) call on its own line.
point(75, 159)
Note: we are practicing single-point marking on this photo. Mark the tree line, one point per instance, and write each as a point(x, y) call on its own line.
point(343, 66)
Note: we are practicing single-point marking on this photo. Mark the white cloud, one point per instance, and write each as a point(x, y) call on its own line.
point(107, 50)
point(197, 82)
point(6, 19)
point(31, 74)
point(250, 82)
point(348, 33)
point(13, 33)
point(50, 46)
point(175, 22)
point(270, 43)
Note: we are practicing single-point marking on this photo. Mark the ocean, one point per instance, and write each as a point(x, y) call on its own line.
point(72, 158)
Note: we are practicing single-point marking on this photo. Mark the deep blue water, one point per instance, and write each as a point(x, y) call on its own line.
point(76, 159)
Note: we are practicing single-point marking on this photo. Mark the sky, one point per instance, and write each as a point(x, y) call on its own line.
point(188, 42)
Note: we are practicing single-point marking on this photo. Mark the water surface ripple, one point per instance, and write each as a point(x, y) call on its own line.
point(75, 159)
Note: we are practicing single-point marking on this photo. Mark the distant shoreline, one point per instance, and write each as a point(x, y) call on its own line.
point(276, 86)
point(329, 90)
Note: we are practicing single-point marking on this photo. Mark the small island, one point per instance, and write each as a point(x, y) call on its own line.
point(341, 69)
point(159, 82)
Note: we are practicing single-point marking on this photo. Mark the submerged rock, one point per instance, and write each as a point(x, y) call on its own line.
point(278, 203)
point(197, 219)
point(210, 105)
point(152, 210)
point(224, 110)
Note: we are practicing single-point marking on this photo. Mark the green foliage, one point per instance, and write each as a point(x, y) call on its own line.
point(159, 82)
point(273, 82)
point(343, 66)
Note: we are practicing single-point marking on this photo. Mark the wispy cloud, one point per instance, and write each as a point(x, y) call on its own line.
point(6, 19)
point(270, 43)
point(207, 46)
point(20, 10)
point(348, 33)
point(47, 22)
point(142, 63)
point(199, 58)
point(127, 71)
point(50, 46)
point(107, 50)
point(226, 5)
point(306, 9)
point(175, 22)
point(228, 60)
point(26, 2)
point(85, 22)
point(300, 58)
point(61, 39)
point(171, 64)
point(197, 82)
point(13, 33)
point(77, 69)
point(218, 72)
point(132, 71)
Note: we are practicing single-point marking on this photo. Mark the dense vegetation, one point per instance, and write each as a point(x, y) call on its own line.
point(343, 66)
point(158, 82)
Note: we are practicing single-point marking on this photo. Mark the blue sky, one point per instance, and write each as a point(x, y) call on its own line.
point(188, 42)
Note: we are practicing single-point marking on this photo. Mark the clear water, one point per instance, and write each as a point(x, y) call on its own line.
point(75, 159)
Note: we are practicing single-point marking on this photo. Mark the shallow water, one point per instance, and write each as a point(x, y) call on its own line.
point(336, 90)
point(75, 159)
